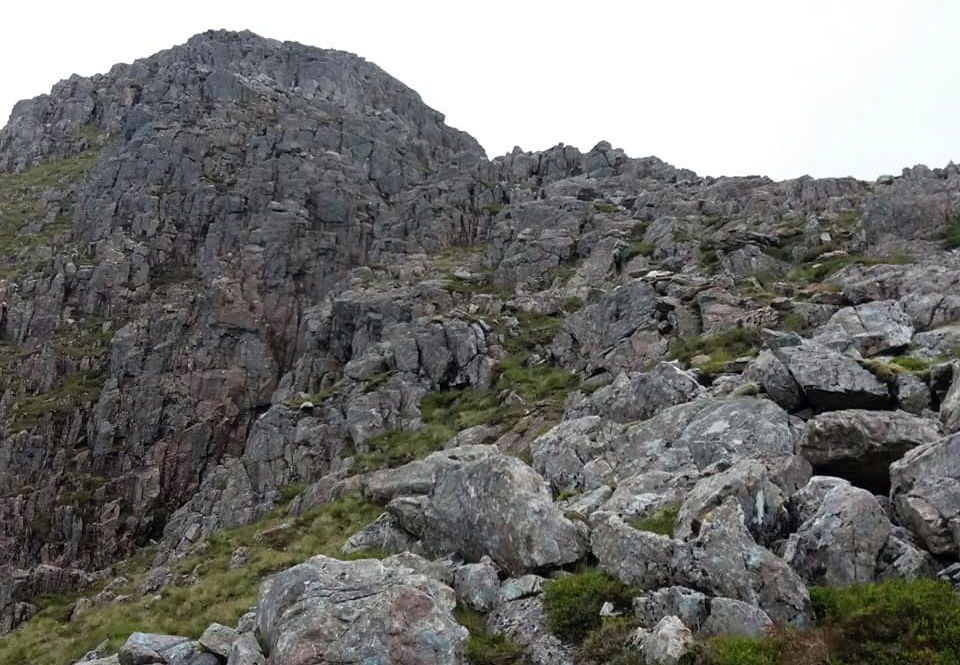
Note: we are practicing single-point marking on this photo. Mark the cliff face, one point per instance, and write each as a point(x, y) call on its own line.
point(242, 270)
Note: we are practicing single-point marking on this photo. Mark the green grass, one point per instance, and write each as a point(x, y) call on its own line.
point(483, 647)
point(660, 521)
point(952, 233)
point(444, 413)
point(638, 248)
point(720, 348)
point(220, 595)
point(607, 644)
point(573, 603)
point(21, 198)
point(891, 623)
point(897, 622)
point(77, 389)
point(816, 271)
point(887, 369)
point(604, 206)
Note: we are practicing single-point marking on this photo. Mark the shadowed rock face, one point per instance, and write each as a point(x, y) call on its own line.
point(241, 271)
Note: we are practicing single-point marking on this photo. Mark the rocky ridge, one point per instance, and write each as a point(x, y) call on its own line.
point(255, 293)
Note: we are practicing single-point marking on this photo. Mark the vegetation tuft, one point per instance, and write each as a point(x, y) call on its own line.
point(221, 594)
point(720, 348)
point(573, 603)
point(660, 521)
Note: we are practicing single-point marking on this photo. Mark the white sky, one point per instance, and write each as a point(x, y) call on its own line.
point(822, 87)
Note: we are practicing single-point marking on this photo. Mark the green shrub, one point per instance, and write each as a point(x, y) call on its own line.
point(483, 647)
point(731, 650)
point(637, 248)
point(660, 521)
point(721, 348)
point(607, 644)
point(573, 603)
point(891, 623)
point(952, 233)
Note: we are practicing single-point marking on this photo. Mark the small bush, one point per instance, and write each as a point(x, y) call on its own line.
point(660, 522)
point(912, 364)
point(483, 647)
point(891, 623)
point(607, 644)
point(573, 603)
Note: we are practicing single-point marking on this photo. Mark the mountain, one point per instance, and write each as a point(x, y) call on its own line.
point(262, 308)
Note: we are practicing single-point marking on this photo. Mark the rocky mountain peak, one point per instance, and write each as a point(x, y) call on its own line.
point(275, 338)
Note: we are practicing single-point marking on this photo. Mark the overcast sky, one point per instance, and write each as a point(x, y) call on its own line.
point(731, 87)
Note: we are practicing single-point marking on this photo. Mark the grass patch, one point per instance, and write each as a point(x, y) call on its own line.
point(221, 594)
point(952, 233)
point(76, 390)
point(720, 348)
point(897, 622)
point(816, 271)
point(604, 206)
point(444, 413)
point(483, 647)
point(573, 603)
point(21, 198)
point(660, 521)
point(891, 623)
point(607, 644)
point(637, 248)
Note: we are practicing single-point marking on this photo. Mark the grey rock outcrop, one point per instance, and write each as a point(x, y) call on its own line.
point(330, 610)
point(498, 507)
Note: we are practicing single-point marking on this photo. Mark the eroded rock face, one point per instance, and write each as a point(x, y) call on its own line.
point(325, 610)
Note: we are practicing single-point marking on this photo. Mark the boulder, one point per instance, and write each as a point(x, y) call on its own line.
point(638, 558)
point(147, 648)
point(950, 406)
point(925, 491)
point(735, 617)
point(689, 605)
point(326, 610)
point(246, 651)
point(828, 379)
point(477, 585)
point(725, 561)
point(867, 330)
point(860, 445)
point(641, 395)
point(667, 643)
point(524, 621)
point(761, 487)
point(840, 543)
point(498, 507)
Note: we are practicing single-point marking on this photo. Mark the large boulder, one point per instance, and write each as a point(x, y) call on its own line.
point(827, 378)
point(588, 452)
point(497, 506)
point(860, 445)
point(724, 560)
point(950, 406)
point(868, 329)
point(840, 543)
point(761, 487)
point(925, 489)
point(638, 558)
point(330, 611)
